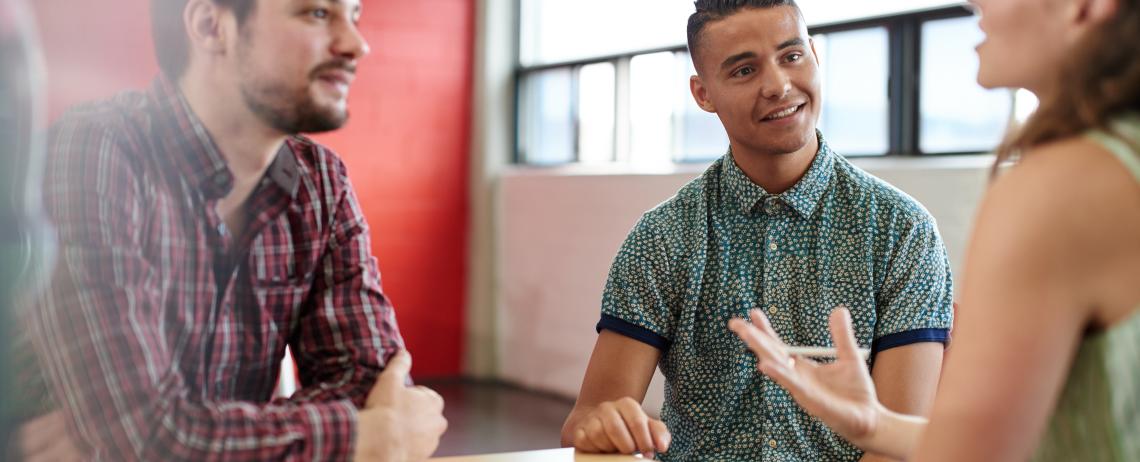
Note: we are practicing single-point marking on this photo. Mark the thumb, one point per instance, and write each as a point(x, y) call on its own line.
point(842, 335)
point(395, 374)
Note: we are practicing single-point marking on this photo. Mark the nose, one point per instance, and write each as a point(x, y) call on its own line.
point(350, 43)
point(775, 84)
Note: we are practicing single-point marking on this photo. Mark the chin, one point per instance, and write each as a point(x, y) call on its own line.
point(798, 142)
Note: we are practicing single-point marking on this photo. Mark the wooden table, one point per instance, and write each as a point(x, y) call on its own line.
point(548, 455)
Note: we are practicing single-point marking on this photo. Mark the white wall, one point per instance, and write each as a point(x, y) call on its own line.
point(559, 230)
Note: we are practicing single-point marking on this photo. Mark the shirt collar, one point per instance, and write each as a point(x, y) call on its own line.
point(196, 155)
point(803, 197)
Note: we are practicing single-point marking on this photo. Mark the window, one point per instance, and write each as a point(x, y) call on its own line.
point(957, 115)
point(824, 12)
point(596, 109)
point(547, 119)
point(553, 31)
point(854, 68)
point(897, 78)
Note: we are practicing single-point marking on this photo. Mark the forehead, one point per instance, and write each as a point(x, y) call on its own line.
point(750, 28)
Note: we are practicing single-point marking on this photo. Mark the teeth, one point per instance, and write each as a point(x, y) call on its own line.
point(784, 113)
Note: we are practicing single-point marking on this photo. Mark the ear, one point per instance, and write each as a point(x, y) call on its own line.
point(701, 94)
point(203, 21)
point(814, 55)
point(1087, 14)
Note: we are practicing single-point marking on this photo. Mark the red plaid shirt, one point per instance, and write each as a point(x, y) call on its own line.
point(163, 345)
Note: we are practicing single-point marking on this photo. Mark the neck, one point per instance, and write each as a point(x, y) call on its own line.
point(775, 173)
point(247, 144)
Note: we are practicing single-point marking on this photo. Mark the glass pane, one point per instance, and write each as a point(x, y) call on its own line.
point(818, 12)
point(956, 114)
point(547, 125)
point(702, 136)
point(563, 30)
point(596, 113)
point(1024, 104)
point(652, 80)
point(854, 70)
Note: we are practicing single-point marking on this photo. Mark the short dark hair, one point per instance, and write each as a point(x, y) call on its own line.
point(171, 42)
point(714, 10)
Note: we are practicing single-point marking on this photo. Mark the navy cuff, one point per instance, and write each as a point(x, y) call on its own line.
point(887, 342)
point(633, 331)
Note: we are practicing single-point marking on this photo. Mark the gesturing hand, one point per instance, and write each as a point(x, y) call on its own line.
point(840, 394)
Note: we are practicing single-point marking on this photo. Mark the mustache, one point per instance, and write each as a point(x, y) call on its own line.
point(334, 65)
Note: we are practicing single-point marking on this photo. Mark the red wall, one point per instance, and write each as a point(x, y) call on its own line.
point(406, 143)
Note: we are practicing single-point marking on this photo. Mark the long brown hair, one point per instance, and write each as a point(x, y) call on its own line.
point(1100, 80)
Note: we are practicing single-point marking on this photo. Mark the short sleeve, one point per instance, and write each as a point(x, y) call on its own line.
point(639, 292)
point(915, 303)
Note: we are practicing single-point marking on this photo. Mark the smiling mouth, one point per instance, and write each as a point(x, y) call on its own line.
point(784, 113)
point(337, 78)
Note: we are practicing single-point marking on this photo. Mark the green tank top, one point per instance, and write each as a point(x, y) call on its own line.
point(1098, 415)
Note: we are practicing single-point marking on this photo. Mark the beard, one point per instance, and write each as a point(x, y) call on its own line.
point(291, 109)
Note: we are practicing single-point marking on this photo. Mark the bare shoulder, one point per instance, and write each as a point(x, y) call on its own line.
point(1074, 185)
point(1076, 197)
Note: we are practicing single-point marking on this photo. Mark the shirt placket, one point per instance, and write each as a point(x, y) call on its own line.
point(775, 227)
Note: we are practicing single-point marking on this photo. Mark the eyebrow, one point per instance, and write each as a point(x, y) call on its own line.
point(731, 60)
point(359, 5)
point(737, 58)
point(788, 43)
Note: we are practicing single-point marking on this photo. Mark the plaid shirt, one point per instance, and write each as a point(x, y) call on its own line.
point(163, 333)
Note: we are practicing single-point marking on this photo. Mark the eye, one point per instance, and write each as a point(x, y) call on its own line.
point(794, 57)
point(320, 13)
point(743, 72)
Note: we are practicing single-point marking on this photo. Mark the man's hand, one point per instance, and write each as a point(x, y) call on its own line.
point(620, 427)
point(45, 439)
point(399, 423)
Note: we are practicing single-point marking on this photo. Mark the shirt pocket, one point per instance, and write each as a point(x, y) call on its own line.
point(282, 257)
point(283, 269)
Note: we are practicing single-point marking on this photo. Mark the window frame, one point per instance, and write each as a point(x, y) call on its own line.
point(904, 43)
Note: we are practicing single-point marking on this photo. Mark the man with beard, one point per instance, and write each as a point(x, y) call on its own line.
point(200, 235)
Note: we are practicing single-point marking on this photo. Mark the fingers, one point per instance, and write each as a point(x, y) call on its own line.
point(760, 320)
point(40, 433)
point(596, 433)
point(784, 373)
point(766, 347)
point(637, 423)
point(582, 442)
point(616, 429)
point(661, 435)
point(842, 335)
point(621, 426)
point(432, 396)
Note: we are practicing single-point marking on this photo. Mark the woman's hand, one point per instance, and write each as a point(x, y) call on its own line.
point(841, 394)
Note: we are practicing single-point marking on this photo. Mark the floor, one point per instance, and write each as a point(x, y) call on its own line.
point(485, 417)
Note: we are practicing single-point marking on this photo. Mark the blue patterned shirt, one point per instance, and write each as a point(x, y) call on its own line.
point(723, 246)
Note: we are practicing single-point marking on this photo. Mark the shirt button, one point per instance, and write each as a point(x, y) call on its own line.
point(772, 444)
point(773, 246)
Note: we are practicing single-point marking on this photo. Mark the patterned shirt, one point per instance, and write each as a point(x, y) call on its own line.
point(723, 246)
point(163, 333)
